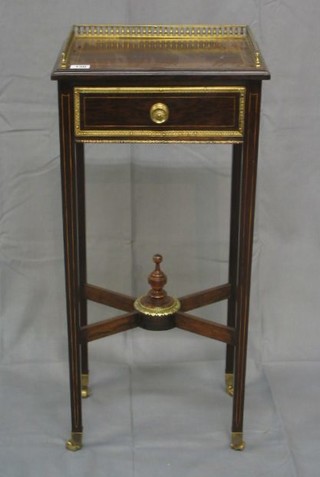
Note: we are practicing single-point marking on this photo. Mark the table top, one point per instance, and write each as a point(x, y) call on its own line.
point(108, 50)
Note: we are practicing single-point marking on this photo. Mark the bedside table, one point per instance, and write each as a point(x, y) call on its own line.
point(159, 84)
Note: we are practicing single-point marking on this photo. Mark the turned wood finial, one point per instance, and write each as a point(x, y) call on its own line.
point(157, 302)
point(157, 280)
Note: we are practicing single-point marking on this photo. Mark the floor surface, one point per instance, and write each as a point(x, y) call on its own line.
point(169, 420)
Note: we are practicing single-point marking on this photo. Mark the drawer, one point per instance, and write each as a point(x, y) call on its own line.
point(163, 114)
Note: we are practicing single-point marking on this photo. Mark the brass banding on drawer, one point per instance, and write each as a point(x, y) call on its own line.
point(160, 114)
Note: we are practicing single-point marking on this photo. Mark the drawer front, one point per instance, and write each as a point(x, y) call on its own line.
point(163, 114)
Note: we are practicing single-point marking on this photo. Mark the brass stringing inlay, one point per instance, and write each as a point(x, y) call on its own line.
point(164, 134)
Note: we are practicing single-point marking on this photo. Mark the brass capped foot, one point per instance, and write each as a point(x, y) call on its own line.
point(85, 390)
point(229, 384)
point(75, 442)
point(237, 442)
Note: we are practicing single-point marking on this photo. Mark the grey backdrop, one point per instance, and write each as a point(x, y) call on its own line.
point(158, 406)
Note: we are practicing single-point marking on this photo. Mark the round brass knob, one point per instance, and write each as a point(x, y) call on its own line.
point(159, 113)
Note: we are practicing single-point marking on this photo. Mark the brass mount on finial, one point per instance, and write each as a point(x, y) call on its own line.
point(157, 303)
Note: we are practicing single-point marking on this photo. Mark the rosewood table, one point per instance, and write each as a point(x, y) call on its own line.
point(159, 84)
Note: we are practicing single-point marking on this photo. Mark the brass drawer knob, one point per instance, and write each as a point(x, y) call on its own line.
point(159, 113)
